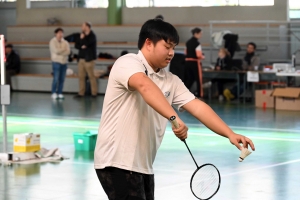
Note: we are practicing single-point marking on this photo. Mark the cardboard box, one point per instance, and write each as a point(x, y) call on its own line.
point(287, 99)
point(264, 99)
point(26, 142)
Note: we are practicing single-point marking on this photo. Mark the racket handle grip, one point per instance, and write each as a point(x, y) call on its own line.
point(174, 121)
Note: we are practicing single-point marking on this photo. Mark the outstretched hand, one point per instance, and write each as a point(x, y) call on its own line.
point(237, 139)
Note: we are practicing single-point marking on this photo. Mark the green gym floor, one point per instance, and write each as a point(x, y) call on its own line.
point(272, 172)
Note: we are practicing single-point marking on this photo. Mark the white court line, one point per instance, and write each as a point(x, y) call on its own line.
point(265, 167)
point(235, 173)
point(190, 172)
point(251, 128)
point(56, 125)
point(53, 117)
point(252, 137)
point(188, 124)
point(155, 169)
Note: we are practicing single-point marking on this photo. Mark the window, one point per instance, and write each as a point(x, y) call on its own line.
point(294, 9)
point(189, 3)
point(75, 3)
point(96, 3)
point(294, 4)
point(203, 3)
point(139, 3)
point(256, 3)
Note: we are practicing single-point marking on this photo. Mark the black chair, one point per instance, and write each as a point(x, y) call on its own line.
point(237, 64)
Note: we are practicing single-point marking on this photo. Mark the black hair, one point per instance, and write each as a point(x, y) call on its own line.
point(156, 30)
point(9, 46)
point(159, 17)
point(252, 44)
point(124, 52)
point(58, 30)
point(88, 24)
point(196, 30)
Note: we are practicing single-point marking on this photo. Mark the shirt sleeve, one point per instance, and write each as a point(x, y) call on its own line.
point(255, 61)
point(54, 49)
point(181, 94)
point(199, 48)
point(67, 50)
point(124, 68)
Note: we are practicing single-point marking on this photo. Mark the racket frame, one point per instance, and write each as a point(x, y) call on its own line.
point(195, 174)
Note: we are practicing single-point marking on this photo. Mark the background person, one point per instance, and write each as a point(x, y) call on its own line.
point(87, 46)
point(60, 50)
point(194, 55)
point(12, 64)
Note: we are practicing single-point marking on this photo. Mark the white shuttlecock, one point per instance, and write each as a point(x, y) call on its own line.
point(244, 153)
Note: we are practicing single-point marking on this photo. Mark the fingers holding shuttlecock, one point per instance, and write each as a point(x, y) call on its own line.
point(244, 153)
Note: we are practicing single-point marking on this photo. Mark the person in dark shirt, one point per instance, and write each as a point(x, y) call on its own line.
point(12, 64)
point(223, 62)
point(87, 46)
point(250, 62)
point(194, 55)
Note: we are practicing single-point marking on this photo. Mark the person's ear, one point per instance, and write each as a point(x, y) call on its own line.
point(148, 44)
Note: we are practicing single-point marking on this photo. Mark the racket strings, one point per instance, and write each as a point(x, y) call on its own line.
point(205, 182)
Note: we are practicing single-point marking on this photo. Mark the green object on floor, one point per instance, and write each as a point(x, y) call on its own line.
point(85, 141)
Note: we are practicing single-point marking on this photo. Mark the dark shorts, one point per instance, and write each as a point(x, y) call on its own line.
point(121, 184)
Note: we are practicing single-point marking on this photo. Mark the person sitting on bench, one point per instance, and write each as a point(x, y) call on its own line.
point(12, 64)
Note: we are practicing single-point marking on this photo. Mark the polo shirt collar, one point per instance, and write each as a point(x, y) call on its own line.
point(161, 72)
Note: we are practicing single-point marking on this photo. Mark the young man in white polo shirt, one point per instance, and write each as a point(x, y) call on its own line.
point(136, 109)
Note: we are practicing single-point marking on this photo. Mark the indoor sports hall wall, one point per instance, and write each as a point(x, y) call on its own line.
point(67, 16)
point(7, 16)
point(184, 15)
point(196, 15)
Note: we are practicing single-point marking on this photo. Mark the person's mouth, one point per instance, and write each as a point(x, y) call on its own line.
point(168, 60)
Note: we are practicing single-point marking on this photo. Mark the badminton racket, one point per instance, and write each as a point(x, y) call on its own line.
point(206, 180)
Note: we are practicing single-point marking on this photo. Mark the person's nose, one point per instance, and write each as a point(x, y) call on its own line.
point(171, 52)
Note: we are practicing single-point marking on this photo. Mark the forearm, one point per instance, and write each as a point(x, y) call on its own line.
point(155, 98)
point(66, 51)
point(56, 50)
point(209, 118)
point(200, 55)
point(88, 41)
